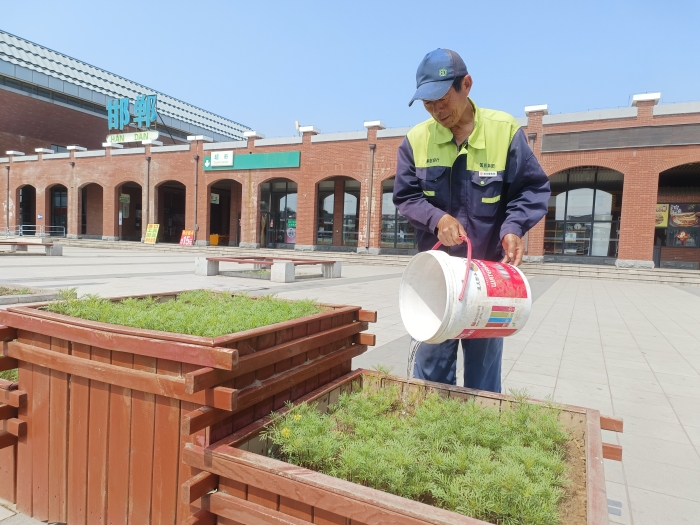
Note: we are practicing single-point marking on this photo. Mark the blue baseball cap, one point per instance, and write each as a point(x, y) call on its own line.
point(435, 74)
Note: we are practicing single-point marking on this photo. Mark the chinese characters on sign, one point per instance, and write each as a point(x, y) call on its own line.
point(152, 233)
point(222, 158)
point(145, 112)
point(187, 238)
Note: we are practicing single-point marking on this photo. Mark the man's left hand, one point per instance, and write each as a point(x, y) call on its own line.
point(513, 248)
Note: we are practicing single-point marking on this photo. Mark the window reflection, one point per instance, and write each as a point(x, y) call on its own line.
point(397, 232)
point(584, 213)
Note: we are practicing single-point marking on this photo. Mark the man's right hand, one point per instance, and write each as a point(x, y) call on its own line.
point(449, 231)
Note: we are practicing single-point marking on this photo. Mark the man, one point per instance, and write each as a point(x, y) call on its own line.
point(466, 171)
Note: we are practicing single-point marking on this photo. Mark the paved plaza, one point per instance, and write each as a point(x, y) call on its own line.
point(627, 349)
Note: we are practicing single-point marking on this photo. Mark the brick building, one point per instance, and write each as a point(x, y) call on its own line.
point(609, 169)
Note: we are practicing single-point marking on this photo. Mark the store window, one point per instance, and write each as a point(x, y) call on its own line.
point(326, 198)
point(397, 232)
point(583, 218)
point(278, 214)
point(351, 212)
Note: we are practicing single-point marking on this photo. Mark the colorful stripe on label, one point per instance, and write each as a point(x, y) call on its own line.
point(490, 200)
point(429, 193)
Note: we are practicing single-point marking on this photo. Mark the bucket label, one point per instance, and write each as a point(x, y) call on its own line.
point(485, 333)
point(501, 280)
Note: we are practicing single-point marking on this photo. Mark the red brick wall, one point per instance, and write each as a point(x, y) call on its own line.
point(93, 209)
point(351, 159)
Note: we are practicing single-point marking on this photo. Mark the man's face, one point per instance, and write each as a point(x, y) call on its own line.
point(450, 108)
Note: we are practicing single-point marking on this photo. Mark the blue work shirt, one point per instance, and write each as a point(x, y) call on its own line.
point(493, 186)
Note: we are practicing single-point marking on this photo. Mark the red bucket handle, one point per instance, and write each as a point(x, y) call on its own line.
point(469, 262)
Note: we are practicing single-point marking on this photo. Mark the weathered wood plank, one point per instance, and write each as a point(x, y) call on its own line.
point(206, 416)
point(15, 426)
point(7, 412)
point(7, 439)
point(8, 474)
point(365, 339)
point(7, 333)
point(219, 397)
point(40, 401)
point(78, 428)
point(7, 363)
point(201, 517)
point(208, 377)
point(24, 445)
point(367, 315)
point(246, 512)
point(363, 504)
point(597, 503)
point(225, 358)
point(98, 442)
point(7, 385)
point(166, 450)
point(15, 398)
point(141, 451)
point(119, 445)
point(58, 442)
point(295, 508)
point(615, 424)
point(611, 451)
point(198, 486)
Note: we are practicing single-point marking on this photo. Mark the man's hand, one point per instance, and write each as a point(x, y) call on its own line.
point(513, 248)
point(449, 231)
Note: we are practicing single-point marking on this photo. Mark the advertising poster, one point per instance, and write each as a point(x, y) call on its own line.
point(151, 233)
point(684, 215)
point(187, 238)
point(662, 215)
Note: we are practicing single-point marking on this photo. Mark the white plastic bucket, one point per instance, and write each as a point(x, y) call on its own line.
point(497, 301)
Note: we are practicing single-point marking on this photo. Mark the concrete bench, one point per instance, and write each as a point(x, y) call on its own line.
point(281, 269)
point(50, 249)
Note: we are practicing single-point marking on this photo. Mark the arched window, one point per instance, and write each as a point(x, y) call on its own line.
point(584, 213)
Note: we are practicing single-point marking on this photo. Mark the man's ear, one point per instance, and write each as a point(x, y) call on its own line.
point(467, 84)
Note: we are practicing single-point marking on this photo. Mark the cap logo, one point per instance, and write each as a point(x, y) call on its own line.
point(443, 72)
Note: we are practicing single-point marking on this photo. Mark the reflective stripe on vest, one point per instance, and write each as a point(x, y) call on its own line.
point(487, 149)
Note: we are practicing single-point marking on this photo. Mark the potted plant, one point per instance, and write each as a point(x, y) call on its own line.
point(109, 391)
point(481, 469)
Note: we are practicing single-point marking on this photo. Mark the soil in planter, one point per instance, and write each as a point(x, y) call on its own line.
point(14, 291)
point(514, 467)
point(198, 312)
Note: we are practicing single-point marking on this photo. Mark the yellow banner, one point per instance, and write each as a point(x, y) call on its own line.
point(151, 233)
point(662, 215)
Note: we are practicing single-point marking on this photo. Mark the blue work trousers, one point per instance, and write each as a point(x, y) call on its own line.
point(482, 363)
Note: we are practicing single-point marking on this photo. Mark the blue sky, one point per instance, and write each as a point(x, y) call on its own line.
point(335, 65)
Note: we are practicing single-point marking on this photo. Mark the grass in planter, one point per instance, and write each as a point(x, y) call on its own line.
point(507, 468)
point(14, 291)
point(10, 375)
point(198, 312)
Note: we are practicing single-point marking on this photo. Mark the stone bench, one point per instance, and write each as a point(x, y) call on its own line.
point(50, 249)
point(281, 269)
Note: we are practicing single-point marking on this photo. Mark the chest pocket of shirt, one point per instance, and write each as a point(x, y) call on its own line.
point(485, 198)
point(435, 185)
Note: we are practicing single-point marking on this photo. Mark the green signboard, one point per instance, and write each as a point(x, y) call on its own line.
point(259, 161)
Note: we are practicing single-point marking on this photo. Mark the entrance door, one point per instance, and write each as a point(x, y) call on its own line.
point(59, 210)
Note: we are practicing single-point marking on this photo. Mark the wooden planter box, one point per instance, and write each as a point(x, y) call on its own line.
point(94, 429)
point(252, 488)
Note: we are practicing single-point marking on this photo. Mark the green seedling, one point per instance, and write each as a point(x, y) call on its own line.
point(14, 291)
point(199, 312)
point(504, 467)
